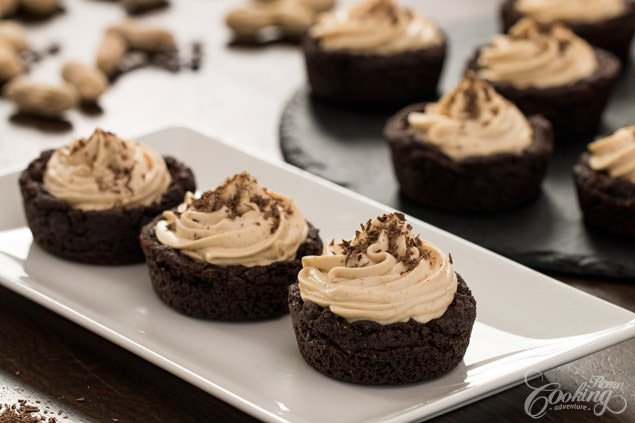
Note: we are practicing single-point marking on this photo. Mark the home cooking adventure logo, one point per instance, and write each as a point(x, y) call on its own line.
point(597, 395)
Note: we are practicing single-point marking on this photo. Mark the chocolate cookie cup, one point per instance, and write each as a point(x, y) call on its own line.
point(355, 71)
point(373, 80)
point(605, 183)
point(109, 236)
point(231, 293)
point(186, 280)
point(575, 108)
point(475, 183)
point(409, 346)
point(613, 33)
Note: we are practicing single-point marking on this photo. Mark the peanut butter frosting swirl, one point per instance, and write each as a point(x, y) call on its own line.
point(238, 223)
point(615, 154)
point(537, 55)
point(104, 172)
point(573, 11)
point(376, 27)
point(472, 120)
point(385, 274)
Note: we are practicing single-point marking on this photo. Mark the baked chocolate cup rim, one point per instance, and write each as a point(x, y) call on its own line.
point(173, 165)
point(366, 325)
point(608, 73)
point(148, 231)
point(397, 132)
point(618, 190)
point(311, 44)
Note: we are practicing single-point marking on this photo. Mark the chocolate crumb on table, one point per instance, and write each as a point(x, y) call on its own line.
point(23, 413)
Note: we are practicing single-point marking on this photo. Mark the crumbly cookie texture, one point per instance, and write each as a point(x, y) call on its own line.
point(111, 52)
point(289, 17)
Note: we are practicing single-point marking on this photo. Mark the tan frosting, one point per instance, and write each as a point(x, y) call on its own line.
point(615, 154)
point(239, 222)
point(385, 274)
point(105, 171)
point(376, 27)
point(574, 11)
point(537, 55)
point(473, 120)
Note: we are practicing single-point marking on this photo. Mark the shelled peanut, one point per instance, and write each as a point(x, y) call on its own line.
point(111, 52)
point(145, 38)
point(41, 99)
point(89, 82)
point(13, 40)
point(10, 63)
point(131, 35)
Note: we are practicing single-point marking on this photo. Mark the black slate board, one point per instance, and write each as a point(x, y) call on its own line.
point(345, 145)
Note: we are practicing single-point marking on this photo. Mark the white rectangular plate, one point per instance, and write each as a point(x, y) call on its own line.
point(525, 320)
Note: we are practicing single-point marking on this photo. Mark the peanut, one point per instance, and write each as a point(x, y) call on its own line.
point(40, 7)
point(7, 7)
point(145, 38)
point(110, 53)
point(89, 82)
point(41, 99)
point(249, 20)
point(290, 17)
point(294, 18)
point(15, 35)
point(10, 63)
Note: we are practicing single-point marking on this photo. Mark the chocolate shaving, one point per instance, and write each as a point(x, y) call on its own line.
point(394, 227)
point(119, 172)
point(78, 145)
point(235, 205)
point(471, 102)
point(487, 94)
point(563, 45)
point(384, 9)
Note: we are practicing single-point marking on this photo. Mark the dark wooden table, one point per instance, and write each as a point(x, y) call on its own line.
point(238, 94)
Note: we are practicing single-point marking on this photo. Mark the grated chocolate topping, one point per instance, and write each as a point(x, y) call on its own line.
point(383, 8)
point(471, 90)
point(235, 193)
point(394, 226)
point(117, 166)
point(528, 27)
